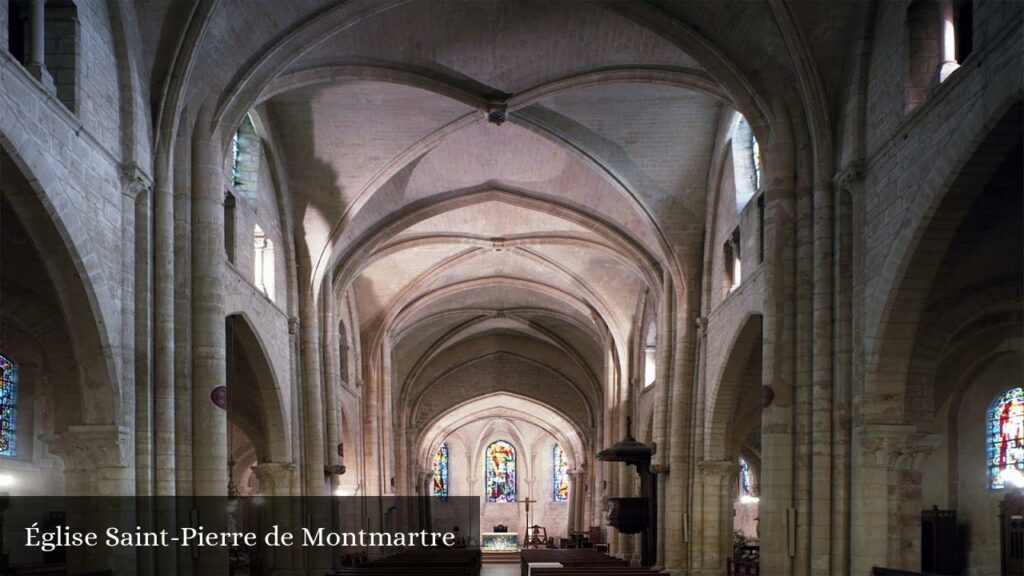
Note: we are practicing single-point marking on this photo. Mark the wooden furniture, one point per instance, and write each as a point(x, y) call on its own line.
point(573, 562)
point(745, 561)
point(536, 537)
point(1011, 532)
point(939, 545)
point(635, 515)
point(447, 562)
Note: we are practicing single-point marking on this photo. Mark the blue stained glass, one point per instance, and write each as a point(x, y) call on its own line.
point(745, 489)
point(441, 472)
point(1006, 440)
point(500, 472)
point(8, 407)
point(559, 474)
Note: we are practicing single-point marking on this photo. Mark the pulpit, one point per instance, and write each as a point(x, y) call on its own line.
point(635, 515)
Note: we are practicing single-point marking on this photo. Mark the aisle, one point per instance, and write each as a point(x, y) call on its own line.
point(500, 570)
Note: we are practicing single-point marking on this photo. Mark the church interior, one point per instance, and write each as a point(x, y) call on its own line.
point(704, 288)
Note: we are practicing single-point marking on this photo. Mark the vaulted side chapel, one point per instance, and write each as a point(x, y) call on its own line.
point(692, 287)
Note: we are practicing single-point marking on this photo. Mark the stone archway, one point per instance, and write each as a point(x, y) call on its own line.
point(90, 432)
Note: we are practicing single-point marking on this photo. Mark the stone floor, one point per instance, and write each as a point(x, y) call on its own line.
point(500, 570)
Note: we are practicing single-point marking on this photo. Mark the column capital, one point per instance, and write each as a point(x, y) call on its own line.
point(334, 469)
point(713, 469)
point(660, 468)
point(276, 475)
point(134, 180)
point(895, 446)
point(702, 325)
point(849, 176)
point(90, 447)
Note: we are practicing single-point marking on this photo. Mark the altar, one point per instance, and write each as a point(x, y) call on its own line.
point(499, 542)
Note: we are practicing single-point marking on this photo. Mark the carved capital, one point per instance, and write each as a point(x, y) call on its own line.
point(334, 469)
point(660, 468)
point(91, 447)
point(896, 447)
point(277, 476)
point(716, 469)
point(134, 181)
point(849, 176)
point(702, 326)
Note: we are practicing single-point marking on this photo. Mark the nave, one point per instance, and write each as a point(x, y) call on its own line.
point(710, 287)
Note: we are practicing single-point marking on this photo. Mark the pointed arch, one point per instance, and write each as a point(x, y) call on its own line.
point(500, 471)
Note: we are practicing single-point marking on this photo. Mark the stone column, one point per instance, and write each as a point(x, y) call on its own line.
point(572, 521)
point(312, 397)
point(332, 383)
point(275, 480)
point(577, 497)
point(163, 331)
point(847, 186)
point(886, 494)
point(947, 39)
point(424, 480)
point(178, 279)
point(97, 462)
point(677, 489)
point(715, 477)
point(37, 46)
point(209, 368)
point(659, 471)
point(777, 505)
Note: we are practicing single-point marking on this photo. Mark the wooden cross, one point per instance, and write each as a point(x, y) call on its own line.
point(527, 502)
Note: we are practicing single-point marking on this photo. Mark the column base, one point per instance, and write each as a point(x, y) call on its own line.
point(39, 72)
point(947, 68)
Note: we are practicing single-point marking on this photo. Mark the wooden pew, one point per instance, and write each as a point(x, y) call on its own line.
point(425, 562)
point(588, 561)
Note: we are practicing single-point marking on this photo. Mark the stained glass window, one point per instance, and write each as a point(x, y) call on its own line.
point(236, 159)
point(441, 472)
point(1006, 440)
point(559, 474)
point(745, 486)
point(500, 472)
point(755, 153)
point(8, 407)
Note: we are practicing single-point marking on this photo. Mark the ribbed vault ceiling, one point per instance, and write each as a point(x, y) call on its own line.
point(468, 245)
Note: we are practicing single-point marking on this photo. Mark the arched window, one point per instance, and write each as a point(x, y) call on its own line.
point(8, 407)
point(748, 167)
point(651, 353)
point(263, 263)
point(1006, 440)
point(559, 474)
point(755, 160)
point(746, 486)
point(441, 472)
point(245, 159)
point(500, 472)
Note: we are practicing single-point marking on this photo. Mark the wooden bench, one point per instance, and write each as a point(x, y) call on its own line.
point(426, 562)
point(574, 561)
point(591, 570)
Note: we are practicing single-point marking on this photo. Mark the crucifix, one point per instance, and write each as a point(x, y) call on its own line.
point(527, 502)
